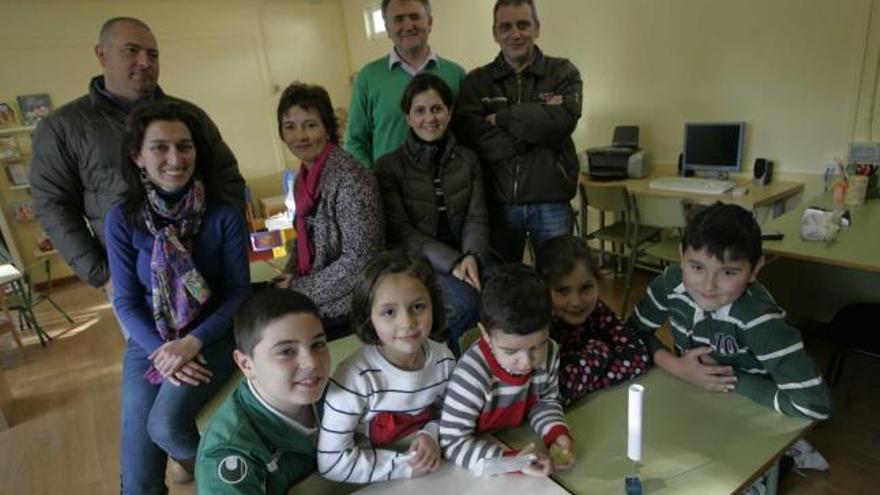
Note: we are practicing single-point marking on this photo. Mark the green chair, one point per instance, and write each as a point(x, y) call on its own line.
point(621, 233)
point(25, 295)
point(661, 214)
point(6, 324)
point(468, 338)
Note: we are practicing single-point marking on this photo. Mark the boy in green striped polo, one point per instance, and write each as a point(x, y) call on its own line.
point(728, 332)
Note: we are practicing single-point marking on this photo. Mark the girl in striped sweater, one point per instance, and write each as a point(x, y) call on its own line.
point(596, 349)
point(383, 402)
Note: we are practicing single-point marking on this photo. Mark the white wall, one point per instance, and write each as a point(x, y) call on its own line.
point(789, 68)
point(230, 57)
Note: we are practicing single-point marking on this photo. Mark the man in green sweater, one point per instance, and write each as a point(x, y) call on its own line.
point(729, 334)
point(263, 439)
point(376, 125)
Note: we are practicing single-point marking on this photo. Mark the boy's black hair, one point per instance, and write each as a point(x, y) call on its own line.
point(515, 301)
point(387, 263)
point(262, 308)
point(728, 232)
point(558, 256)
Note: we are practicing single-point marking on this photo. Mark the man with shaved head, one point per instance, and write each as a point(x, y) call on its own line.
point(75, 174)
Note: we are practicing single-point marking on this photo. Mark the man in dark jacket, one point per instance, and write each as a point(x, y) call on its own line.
point(75, 174)
point(518, 113)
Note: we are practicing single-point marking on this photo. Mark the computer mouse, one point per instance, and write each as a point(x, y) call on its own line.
point(739, 191)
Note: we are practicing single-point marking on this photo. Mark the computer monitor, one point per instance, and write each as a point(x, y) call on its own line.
point(713, 148)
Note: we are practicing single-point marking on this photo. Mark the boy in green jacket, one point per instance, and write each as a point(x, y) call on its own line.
point(263, 438)
point(729, 334)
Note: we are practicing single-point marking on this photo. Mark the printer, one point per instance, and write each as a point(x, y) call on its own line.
point(622, 160)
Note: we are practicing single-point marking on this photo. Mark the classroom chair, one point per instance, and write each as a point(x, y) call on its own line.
point(613, 199)
point(6, 323)
point(468, 338)
point(850, 331)
point(25, 295)
point(660, 213)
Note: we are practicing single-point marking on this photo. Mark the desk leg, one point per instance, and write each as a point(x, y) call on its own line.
point(772, 479)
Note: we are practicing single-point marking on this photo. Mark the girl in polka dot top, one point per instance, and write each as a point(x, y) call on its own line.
point(596, 348)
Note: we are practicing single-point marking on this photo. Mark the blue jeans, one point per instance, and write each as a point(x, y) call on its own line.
point(462, 303)
point(511, 224)
point(159, 420)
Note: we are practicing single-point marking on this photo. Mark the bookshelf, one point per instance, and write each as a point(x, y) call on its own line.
point(20, 232)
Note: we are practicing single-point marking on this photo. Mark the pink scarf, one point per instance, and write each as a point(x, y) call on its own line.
point(306, 193)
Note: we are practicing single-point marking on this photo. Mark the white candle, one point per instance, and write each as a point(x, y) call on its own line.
point(634, 423)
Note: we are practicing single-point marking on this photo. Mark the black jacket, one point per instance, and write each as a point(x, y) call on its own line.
point(75, 175)
point(528, 154)
point(406, 185)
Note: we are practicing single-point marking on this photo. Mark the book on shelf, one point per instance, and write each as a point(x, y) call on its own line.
point(7, 115)
point(9, 148)
point(23, 211)
point(17, 173)
point(34, 107)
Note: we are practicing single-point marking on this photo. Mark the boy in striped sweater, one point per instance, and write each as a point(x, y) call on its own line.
point(508, 377)
point(729, 334)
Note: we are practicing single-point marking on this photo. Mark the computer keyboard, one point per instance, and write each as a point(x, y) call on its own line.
point(692, 185)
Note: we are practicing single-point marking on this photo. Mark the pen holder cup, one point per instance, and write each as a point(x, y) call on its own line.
point(856, 190)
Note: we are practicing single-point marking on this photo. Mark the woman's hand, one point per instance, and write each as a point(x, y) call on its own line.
point(468, 272)
point(426, 455)
point(192, 373)
point(172, 356)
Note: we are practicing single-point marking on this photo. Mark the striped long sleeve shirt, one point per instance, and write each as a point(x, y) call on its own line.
point(751, 335)
point(482, 397)
point(372, 410)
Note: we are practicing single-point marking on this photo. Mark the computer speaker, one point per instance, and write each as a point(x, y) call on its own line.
point(681, 170)
point(763, 171)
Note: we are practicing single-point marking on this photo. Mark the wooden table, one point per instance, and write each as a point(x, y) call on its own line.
point(694, 441)
point(771, 195)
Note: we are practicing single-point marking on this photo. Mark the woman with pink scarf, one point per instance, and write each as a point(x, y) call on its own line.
point(179, 267)
point(339, 221)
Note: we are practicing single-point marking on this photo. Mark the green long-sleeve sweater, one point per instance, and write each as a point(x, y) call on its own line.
point(751, 335)
point(376, 125)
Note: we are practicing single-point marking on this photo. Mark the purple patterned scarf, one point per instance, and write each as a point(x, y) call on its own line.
point(179, 290)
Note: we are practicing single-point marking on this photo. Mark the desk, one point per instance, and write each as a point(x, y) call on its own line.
point(758, 196)
point(814, 279)
point(448, 480)
point(857, 247)
point(695, 442)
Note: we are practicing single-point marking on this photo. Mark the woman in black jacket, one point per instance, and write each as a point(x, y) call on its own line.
point(432, 191)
